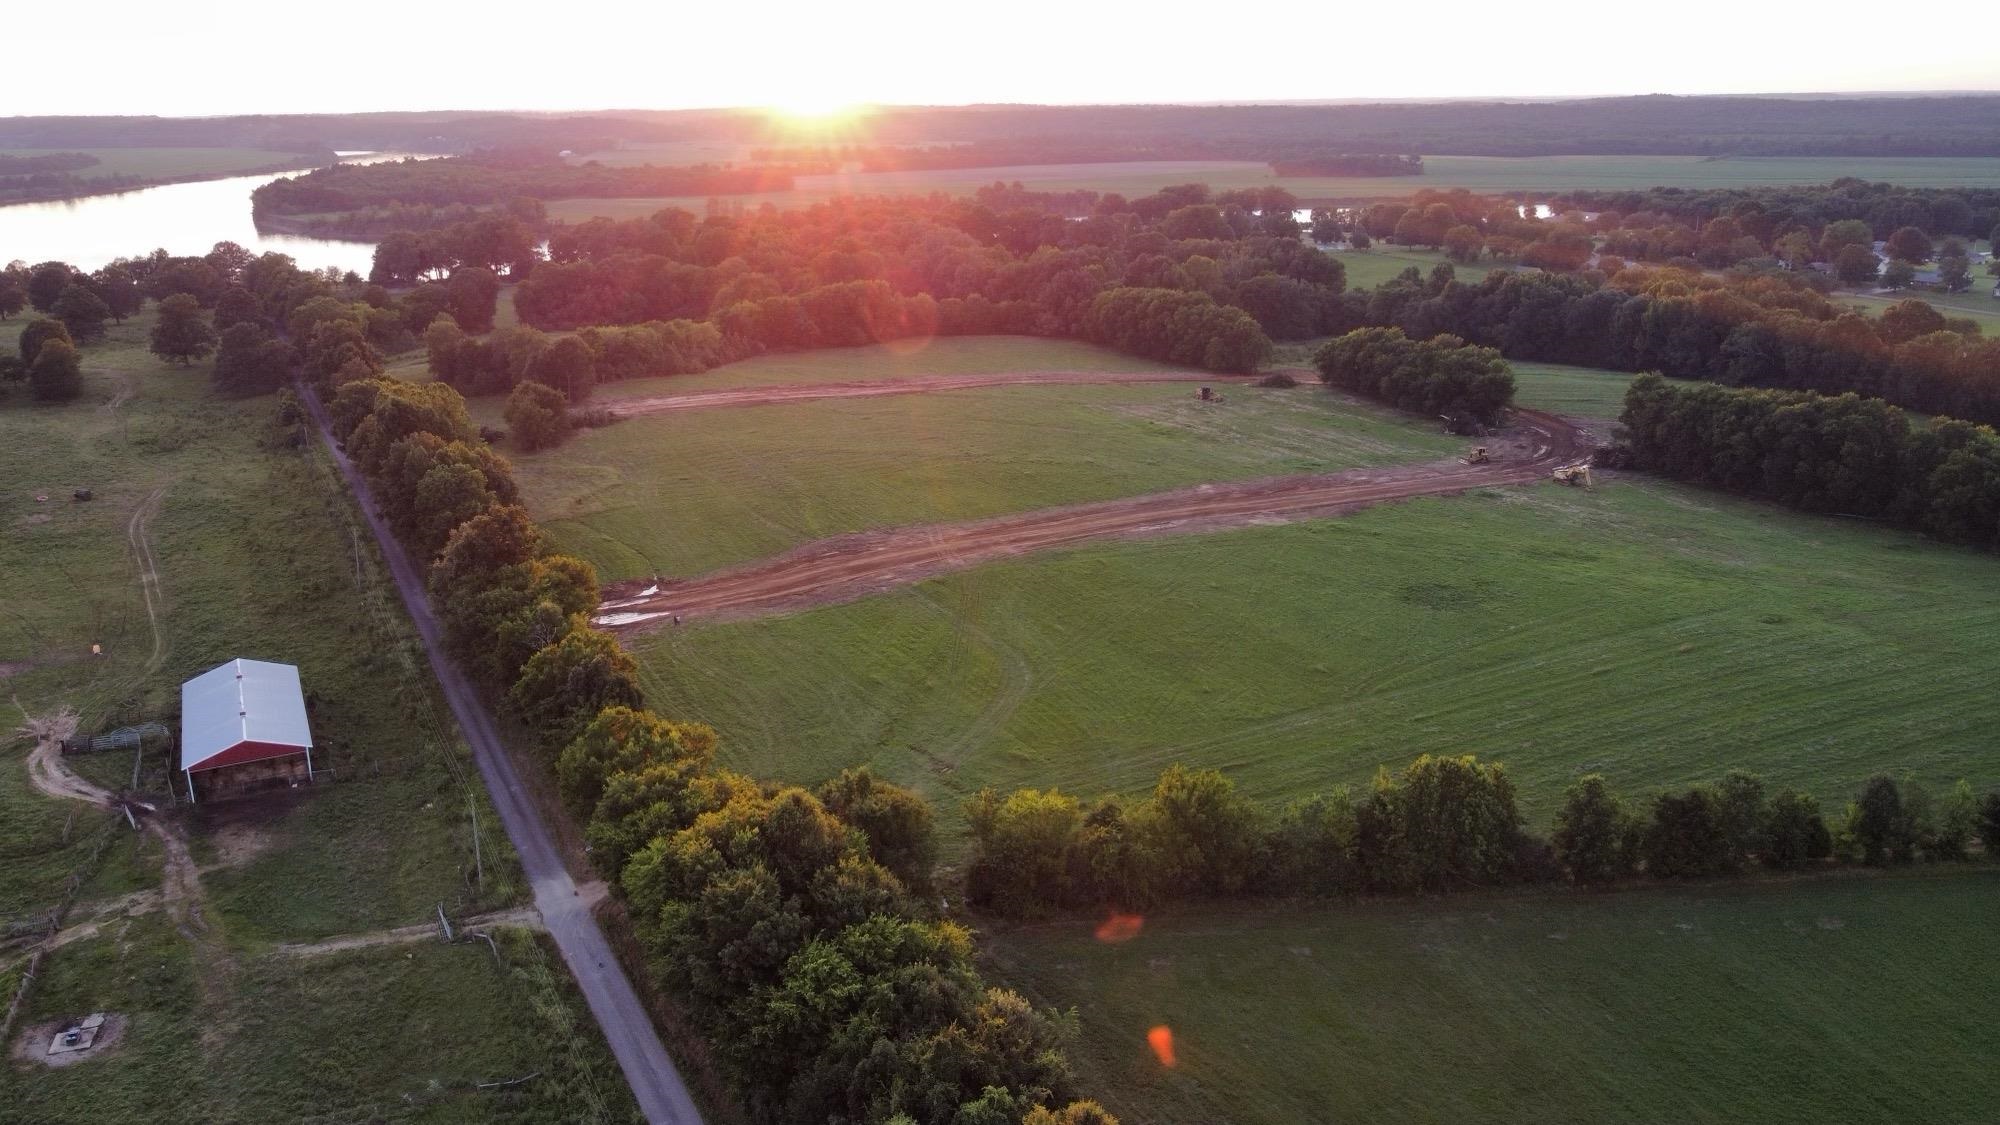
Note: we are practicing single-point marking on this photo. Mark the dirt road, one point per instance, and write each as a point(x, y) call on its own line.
point(873, 388)
point(849, 567)
point(662, 1096)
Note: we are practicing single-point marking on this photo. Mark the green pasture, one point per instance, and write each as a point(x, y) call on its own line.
point(686, 492)
point(1852, 998)
point(1979, 305)
point(1655, 633)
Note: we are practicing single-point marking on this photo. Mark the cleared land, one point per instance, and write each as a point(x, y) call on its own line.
point(1979, 304)
point(854, 566)
point(246, 548)
point(687, 493)
point(1545, 175)
point(1850, 999)
point(1655, 633)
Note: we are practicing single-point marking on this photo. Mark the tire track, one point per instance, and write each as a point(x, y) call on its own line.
point(849, 567)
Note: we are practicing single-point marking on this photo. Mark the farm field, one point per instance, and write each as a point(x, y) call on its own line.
point(250, 552)
point(685, 493)
point(1545, 175)
point(1979, 305)
point(175, 163)
point(1856, 998)
point(1652, 632)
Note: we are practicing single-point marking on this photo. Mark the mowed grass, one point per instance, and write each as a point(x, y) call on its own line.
point(172, 163)
point(400, 1032)
point(1655, 633)
point(687, 492)
point(1540, 175)
point(1863, 999)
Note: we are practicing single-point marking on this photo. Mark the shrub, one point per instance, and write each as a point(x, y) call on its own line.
point(537, 416)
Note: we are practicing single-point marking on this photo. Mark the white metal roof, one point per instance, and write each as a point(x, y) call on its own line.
point(242, 701)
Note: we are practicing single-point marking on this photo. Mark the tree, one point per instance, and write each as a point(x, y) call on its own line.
point(896, 821)
point(1740, 798)
point(46, 283)
point(251, 361)
point(1595, 839)
point(537, 416)
point(1794, 832)
point(1878, 823)
point(568, 683)
point(1794, 249)
point(1954, 273)
point(119, 290)
point(56, 375)
point(1687, 837)
point(182, 334)
point(237, 305)
point(1989, 820)
point(1463, 243)
point(82, 311)
point(13, 298)
point(1898, 274)
point(1856, 265)
point(473, 291)
point(1837, 237)
point(40, 331)
point(567, 366)
point(1909, 244)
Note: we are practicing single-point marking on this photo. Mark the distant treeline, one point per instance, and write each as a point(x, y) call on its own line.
point(1439, 825)
point(1749, 126)
point(494, 178)
point(1285, 158)
point(1843, 454)
point(1761, 329)
point(12, 164)
point(1767, 213)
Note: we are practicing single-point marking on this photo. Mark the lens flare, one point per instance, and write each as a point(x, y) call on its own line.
point(1120, 928)
point(1161, 1040)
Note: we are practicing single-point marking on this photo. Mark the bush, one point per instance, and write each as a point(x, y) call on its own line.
point(56, 375)
point(1688, 837)
point(1439, 376)
point(1795, 833)
point(1595, 839)
point(537, 416)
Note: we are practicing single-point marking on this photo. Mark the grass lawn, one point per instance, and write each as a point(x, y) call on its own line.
point(1541, 175)
point(688, 492)
point(390, 1033)
point(171, 163)
point(1381, 262)
point(1656, 633)
point(1853, 998)
point(1575, 392)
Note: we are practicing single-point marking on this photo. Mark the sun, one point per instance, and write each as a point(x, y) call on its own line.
point(809, 108)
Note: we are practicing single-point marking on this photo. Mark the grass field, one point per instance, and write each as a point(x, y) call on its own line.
point(1857, 998)
point(1979, 304)
point(1545, 175)
point(1655, 633)
point(175, 163)
point(256, 554)
point(688, 492)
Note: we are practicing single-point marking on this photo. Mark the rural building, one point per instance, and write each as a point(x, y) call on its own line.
point(243, 727)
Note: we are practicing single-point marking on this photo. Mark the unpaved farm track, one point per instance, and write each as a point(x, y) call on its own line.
point(849, 567)
point(924, 384)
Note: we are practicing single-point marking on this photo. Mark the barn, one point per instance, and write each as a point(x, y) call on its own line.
point(243, 728)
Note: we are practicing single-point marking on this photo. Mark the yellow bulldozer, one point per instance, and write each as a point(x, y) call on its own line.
point(1576, 475)
point(1477, 455)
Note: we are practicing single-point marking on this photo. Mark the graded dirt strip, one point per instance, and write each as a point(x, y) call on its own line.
point(780, 394)
point(850, 567)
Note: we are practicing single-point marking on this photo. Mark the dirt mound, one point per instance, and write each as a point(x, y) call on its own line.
point(849, 567)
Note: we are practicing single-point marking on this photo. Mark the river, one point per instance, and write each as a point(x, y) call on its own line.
point(183, 218)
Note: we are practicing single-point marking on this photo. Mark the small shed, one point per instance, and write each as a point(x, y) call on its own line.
point(243, 727)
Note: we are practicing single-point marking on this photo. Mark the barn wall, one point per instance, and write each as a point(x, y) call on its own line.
point(224, 782)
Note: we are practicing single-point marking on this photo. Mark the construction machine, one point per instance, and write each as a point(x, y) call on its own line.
point(1575, 475)
point(1208, 394)
point(1477, 455)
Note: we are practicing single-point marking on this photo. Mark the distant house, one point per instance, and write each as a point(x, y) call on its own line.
point(243, 728)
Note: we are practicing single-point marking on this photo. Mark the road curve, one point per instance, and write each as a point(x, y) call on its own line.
point(850, 567)
point(782, 393)
point(661, 1094)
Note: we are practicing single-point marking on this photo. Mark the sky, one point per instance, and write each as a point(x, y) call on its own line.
point(238, 56)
